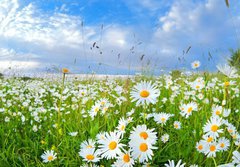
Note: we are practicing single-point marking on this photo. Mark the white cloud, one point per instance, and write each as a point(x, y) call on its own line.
point(18, 65)
point(28, 34)
point(204, 25)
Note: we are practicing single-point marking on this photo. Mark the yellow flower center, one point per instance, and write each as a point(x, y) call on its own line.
point(222, 145)
point(212, 148)
point(143, 147)
point(65, 70)
point(214, 128)
point(197, 87)
point(50, 158)
point(126, 158)
point(112, 145)
point(196, 64)
point(200, 147)
point(226, 84)
point(176, 125)
point(218, 112)
point(163, 119)
point(189, 109)
point(143, 135)
point(96, 109)
point(234, 136)
point(122, 127)
point(90, 157)
point(144, 93)
point(209, 139)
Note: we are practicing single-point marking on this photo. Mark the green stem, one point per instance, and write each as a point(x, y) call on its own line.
point(214, 162)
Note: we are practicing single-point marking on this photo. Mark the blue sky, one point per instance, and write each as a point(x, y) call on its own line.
point(41, 35)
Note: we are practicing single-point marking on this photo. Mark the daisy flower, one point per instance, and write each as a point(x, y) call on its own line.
point(165, 138)
point(223, 144)
point(197, 85)
point(187, 109)
point(236, 158)
point(124, 160)
point(211, 149)
point(217, 110)
point(177, 125)
point(101, 136)
point(141, 150)
point(94, 110)
point(172, 164)
point(196, 64)
point(48, 156)
point(141, 132)
point(201, 146)
point(73, 133)
point(208, 138)
point(89, 155)
point(227, 70)
point(122, 126)
point(212, 127)
point(111, 146)
point(162, 118)
point(144, 93)
point(88, 144)
point(65, 70)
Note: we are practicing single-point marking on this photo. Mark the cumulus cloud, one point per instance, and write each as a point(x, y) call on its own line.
point(56, 38)
point(204, 25)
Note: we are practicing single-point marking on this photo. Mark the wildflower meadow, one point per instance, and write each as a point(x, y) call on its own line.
point(168, 120)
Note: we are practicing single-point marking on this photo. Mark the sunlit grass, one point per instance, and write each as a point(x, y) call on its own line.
point(38, 115)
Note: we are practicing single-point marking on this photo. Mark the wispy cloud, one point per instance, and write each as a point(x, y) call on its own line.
point(29, 33)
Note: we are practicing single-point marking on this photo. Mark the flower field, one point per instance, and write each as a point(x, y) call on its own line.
point(185, 120)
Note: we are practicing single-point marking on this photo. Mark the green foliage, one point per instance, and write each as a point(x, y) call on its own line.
point(22, 146)
point(176, 74)
point(235, 58)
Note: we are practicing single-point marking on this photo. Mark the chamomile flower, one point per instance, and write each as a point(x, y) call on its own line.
point(162, 118)
point(217, 110)
point(211, 149)
point(124, 160)
point(177, 125)
point(195, 64)
point(101, 136)
point(122, 126)
point(227, 70)
point(187, 109)
point(171, 163)
point(141, 150)
point(201, 146)
point(88, 144)
point(111, 146)
point(95, 110)
point(197, 85)
point(48, 156)
point(89, 155)
point(236, 158)
point(141, 132)
point(165, 138)
point(73, 133)
point(212, 127)
point(223, 144)
point(208, 138)
point(144, 93)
